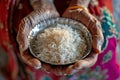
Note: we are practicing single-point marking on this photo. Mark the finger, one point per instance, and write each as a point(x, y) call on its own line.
point(94, 26)
point(68, 70)
point(87, 62)
point(81, 16)
point(91, 23)
point(81, 64)
point(30, 60)
point(46, 67)
point(57, 70)
point(97, 35)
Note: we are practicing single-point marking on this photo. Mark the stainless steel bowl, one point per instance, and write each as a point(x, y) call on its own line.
point(72, 23)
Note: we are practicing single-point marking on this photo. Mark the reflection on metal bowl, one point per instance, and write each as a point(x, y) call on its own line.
point(60, 41)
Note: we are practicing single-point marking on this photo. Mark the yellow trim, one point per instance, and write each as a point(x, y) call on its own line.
point(77, 7)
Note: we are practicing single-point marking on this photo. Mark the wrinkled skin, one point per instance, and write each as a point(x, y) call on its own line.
point(44, 11)
point(94, 26)
point(41, 11)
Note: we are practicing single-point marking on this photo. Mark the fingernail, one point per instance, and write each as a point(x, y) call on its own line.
point(35, 63)
point(37, 67)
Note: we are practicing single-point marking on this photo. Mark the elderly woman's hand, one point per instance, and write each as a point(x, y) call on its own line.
point(43, 9)
point(94, 26)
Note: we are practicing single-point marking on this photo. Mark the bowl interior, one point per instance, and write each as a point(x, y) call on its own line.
point(40, 27)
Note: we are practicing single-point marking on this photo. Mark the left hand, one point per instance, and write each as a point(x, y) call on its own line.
point(43, 9)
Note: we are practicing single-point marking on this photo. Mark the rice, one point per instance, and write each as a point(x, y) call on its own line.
point(59, 44)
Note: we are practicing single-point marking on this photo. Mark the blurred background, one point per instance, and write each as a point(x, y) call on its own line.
point(116, 11)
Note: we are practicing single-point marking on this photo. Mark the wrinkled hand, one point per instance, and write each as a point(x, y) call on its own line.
point(43, 9)
point(94, 26)
point(46, 11)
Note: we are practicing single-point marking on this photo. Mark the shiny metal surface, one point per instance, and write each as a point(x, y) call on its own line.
point(72, 23)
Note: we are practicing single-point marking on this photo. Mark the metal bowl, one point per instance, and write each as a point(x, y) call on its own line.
point(65, 21)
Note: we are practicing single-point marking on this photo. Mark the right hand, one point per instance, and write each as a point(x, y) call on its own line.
point(43, 9)
point(94, 26)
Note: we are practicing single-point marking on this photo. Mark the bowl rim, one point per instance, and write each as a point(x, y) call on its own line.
point(46, 23)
